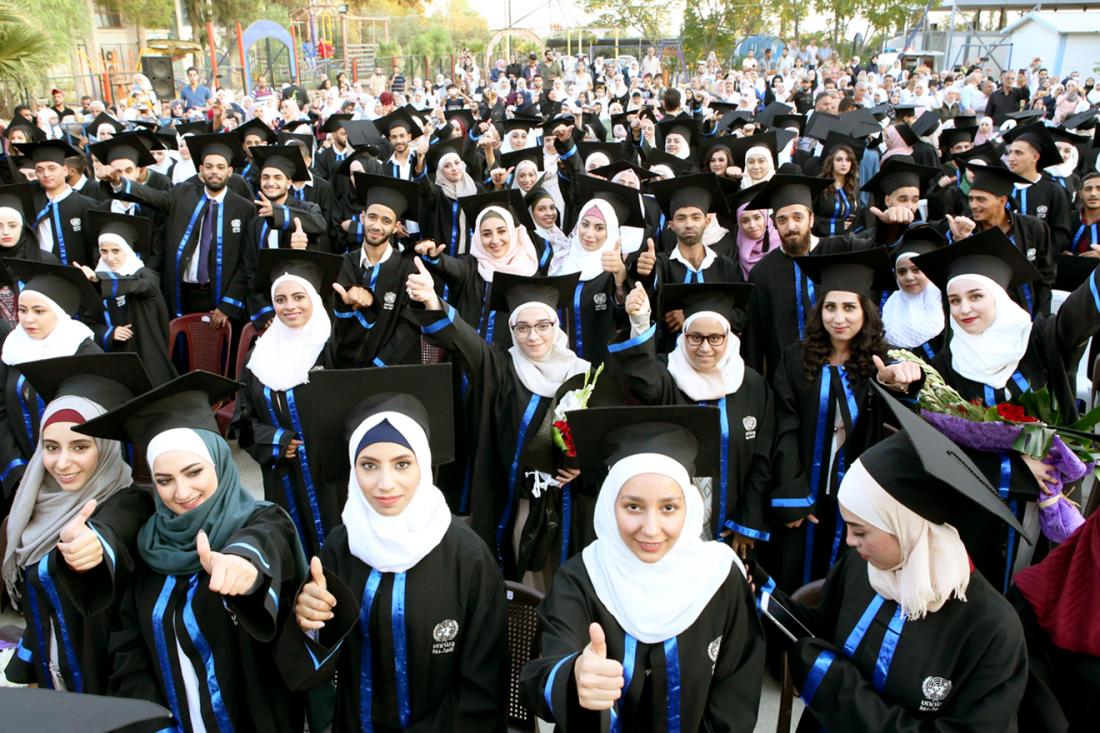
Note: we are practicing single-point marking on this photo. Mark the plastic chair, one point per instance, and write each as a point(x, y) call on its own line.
point(224, 414)
point(807, 595)
point(524, 632)
point(207, 346)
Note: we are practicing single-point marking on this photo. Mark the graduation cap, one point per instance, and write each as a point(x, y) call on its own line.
point(198, 127)
point(903, 110)
point(925, 471)
point(613, 151)
point(1081, 120)
point(319, 269)
point(736, 196)
point(136, 125)
point(286, 158)
point(907, 133)
point(558, 120)
point(1062, 135)
point(993, 179)
point(514, 158)
point(616, 167)
point(48, 151)
point(965, 120)
point(510, 199)
point(1038, 137)
point(679, 166)
point(102, 119)
point(511, 291)
point(917, 240)
point(734, 120)
point(465, 116)
point(786, 121)
point(593, 126)
point(24, 710)
point(136, 231)
point(34, 133)
point(987, 152)
point(184, 402)
point(784, 189)
point(347, 397)
point(224, 144)
point(623, 199)
point(363, 133)
point(123, 147)
point(740, 146)
point(988, 253)
point(686, 127)
point(861, 271)
point(521, 122)
point(65, 285)
point(767, 115)
point(19, 196)
point(952, 136)
point(258, 128)
point(298, 138)
point(821, 123)
point(926, 124)
point(859, 124)
point(1028, 116)
point(701, 191)
point(899, 172)
point(398, 195)
point(1071, 271)
point(603, 436)
point(456, 145)
point(730, 300)
point(109, 380)
point(336, 121)
point(399, 118)
point(150, 139)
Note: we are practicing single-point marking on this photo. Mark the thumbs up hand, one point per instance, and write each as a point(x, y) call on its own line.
point(314, 603)
point(356, 295)
point(229, 575)
point(421, 288)
point(612, 261)
point(599, 679)
point(896, 376)
point(637, 303)
point(647, 260)
point(79, 545)
point(298, 238)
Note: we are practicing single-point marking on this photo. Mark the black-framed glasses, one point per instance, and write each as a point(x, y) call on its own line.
point(523, 330)
point(697, 339)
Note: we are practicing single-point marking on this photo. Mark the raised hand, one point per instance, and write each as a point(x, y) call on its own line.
point(894, 215)
point(421, 287)
point(896, 376)
point(264, 209)
point(637, 301)
point(298, 238)
point(314, 603)
point(428, 248)
point(357, 296)
point(599, 679)
point(647, 260)
point(612, 261)
point(79, 545)
point(961, 227)
point(229, 575)
point(88, 272)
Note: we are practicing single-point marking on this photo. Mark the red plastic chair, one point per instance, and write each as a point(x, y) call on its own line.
point(224, 414)
point(207, 346)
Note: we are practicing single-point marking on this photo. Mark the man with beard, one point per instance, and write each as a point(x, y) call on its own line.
point(207, 257)
point(407, 160)
point(371, 328)
point(686, 202)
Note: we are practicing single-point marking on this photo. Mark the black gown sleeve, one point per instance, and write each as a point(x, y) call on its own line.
point(266, 443)
point(11, 457)
point(790, 500)
point(1079, 317)
point(734, 695)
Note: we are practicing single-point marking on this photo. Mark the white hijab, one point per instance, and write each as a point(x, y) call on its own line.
point(726, 376)
point(934, 564)
point(992, 356)
point(129, 266)
point(63, 340)
point(655, 601)
point(578, 259)
point(395, 544)
point(283, 356)
point(911, 320)
point(545, 376)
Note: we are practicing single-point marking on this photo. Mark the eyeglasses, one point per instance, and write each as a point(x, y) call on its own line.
point(523, 330)
point(697, 339)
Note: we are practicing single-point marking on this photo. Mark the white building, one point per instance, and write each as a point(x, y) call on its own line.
point(1065, 40)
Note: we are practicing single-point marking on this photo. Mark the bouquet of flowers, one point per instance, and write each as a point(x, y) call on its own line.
point(575, 399)
point(1032, 424)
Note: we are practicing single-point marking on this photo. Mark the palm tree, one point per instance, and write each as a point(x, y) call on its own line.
point(24, 53)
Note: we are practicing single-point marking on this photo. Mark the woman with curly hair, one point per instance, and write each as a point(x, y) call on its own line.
point(826, 410)
point(837, 209)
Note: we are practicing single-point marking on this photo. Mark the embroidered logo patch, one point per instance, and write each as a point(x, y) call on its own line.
point(1041, 211)
point(600, 299)
point(1031, 252)
point(76, 223)
point(749, 423)
point(388, 300)
point(235, 225)
point(444, 634)
point(713, 648)
point(935, 691)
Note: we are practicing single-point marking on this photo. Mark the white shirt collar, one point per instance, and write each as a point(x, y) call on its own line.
point(364, 262)
point(218, 197)
point(62, 196)
point(708, 258)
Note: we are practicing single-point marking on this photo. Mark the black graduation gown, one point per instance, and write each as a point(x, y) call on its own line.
point(1055, 343)
point(1063, 687)
point(441, 218)
point(266, 421)
point(1048, 201)
point(1082, 234)
point(68, 219)
point(20, 412)
point(925, 154)
point(963, 667)
point(232, 251)
point(506, 415)
point(137, 301)
point(328, 160)
point(77, 609)
point(228, 640)
point(807, 476)
point(238, 184)
point(739, 500)
point(435, 640)
point(718, 662)
point(837, 213)
point(947, 199)
point(381, 335)
point(319, 191)
point(1071, 184)
point(1032, 237)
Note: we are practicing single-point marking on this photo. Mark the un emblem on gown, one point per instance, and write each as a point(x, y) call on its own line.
point(235, 225)
point(76, 223)
point(444, 634)
point(388, 300)
point(749, 423)
point(713, 648)
point(600, 300)
point(1041, 211)
point(935, 691)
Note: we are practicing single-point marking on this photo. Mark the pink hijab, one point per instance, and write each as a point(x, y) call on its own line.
point(749, 250)
point(895, 145)
point(520, 258)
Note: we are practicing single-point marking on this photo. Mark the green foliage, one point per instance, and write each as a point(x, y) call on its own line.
point(145, 13)
point(714, 25)
point(648, 19)
point(27, 47)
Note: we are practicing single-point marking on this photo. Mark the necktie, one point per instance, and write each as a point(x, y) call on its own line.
point(206, 237)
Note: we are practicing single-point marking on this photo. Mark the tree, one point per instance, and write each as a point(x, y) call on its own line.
point(32, 39)
point(647, 18)
point(143, 13)
point(714, 25)
point(24, 52)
